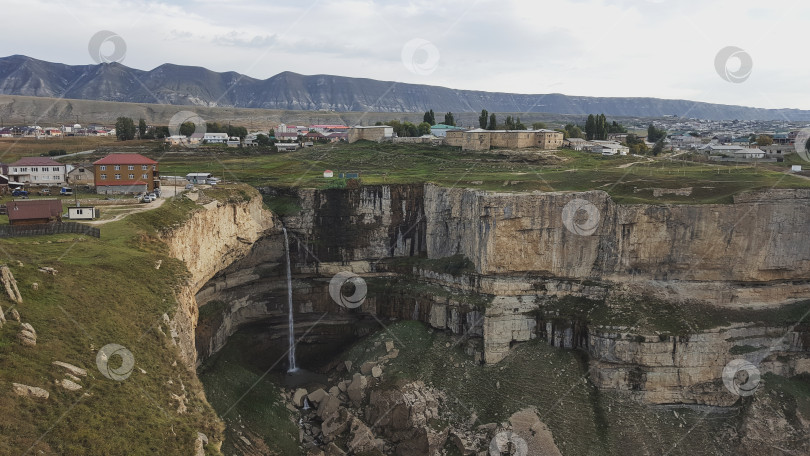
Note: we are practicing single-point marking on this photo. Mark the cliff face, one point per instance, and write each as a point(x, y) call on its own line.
point(527, 250)
point(208, 242)
point(700, 250)
point(363, 224)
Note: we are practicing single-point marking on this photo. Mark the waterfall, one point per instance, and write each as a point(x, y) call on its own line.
point(291, 352)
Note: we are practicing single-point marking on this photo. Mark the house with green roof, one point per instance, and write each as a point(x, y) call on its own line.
point(440, 130)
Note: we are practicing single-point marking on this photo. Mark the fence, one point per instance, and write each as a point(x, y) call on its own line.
point(48, 228)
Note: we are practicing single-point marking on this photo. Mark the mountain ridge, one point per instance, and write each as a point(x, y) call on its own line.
point(198, 86)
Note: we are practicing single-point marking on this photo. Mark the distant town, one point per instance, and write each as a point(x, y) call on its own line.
point(734, 141)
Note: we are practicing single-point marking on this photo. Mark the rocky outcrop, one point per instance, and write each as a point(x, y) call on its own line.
point(10, 284)
point(688, 369)
point(210, 240)
point(30, 391)
point(27, 335)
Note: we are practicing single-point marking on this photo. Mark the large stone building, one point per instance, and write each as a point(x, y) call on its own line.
point(479, 139)
point(376, 133)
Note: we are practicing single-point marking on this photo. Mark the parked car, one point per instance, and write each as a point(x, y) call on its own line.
point(189, 186)
point(146, 199)
point(66, 191)
point(19, 193)
point(45, 191)
point(153, 196)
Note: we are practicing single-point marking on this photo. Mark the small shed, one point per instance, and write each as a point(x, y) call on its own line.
point(328, 173)
point(287, 147)
point(32, 212)
point(796, 168)
point(198, 178)
point(82, 213)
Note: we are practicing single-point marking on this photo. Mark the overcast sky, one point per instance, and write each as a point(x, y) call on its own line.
point(658, 48)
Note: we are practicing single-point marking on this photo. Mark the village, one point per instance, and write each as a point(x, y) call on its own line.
point(139, 178)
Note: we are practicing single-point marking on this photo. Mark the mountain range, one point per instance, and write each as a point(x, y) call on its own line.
point(197, 86)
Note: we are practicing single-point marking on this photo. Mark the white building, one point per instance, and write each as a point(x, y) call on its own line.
point(577, 144)
point(215, 138)
point(82, 213)
point(609, 148)
point(38, 171)
point(287, 147)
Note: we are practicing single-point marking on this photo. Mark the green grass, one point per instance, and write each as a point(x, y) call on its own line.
point(792, 395)
point(562, 170)
point(107, 290)
point(648, 315)
point(282, 205)
point(253, 402)
point(455, 265)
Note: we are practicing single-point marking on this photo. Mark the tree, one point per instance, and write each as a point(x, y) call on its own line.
point(636, 145)
point(410, 129)
point(430, 117)
point(509, 124)
point(764, 140)
point(263, 140)
point(519, 125)
point(241, 132)
point(601, 127)
point(590, 127)
point(659, 147)
point(424, 128)
point(538, 126)
point(124, 128)
point(616, 127)
point(161, 132)
point(449, 119)
point(493, 122)
point(482, 119)
point(187, 128)
point(573, 131)
point(655, 134)
point(141, 128)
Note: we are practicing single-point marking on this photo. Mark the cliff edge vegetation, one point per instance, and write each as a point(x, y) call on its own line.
point(80, 295)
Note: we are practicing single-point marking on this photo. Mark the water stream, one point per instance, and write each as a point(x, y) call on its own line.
point(291, 352)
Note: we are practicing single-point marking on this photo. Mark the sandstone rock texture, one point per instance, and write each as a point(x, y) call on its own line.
point(10, 284)
point(759, 238)
point(30, 391)
point(212, 239)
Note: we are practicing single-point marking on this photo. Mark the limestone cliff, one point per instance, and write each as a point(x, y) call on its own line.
point(526, 250)
point(210, 240)
point(759, 238)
